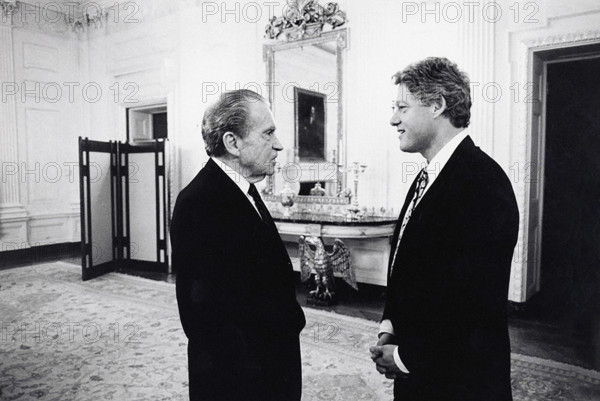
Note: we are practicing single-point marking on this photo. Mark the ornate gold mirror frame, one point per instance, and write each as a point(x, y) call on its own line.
point(336, 155)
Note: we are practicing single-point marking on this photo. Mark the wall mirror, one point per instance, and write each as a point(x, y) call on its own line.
point(305, 82)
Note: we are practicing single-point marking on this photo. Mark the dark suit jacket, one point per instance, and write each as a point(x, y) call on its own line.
point(235, 291)
point(447, 296)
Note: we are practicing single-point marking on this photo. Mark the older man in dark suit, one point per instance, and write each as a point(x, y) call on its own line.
point(444, 333)
point(235, 285)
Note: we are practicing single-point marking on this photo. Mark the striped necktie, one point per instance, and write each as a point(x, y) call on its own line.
point(419, 190)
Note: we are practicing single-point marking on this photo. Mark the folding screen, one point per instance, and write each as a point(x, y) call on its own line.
point(123, 206)
point(97, 162)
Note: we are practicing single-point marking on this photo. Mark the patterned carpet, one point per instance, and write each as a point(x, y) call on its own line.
point(119, 338)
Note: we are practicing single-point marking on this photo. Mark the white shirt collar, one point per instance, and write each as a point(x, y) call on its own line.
point(435, 166)
point(236, 177)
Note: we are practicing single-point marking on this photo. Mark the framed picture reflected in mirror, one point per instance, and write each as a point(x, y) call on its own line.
point(310, 117)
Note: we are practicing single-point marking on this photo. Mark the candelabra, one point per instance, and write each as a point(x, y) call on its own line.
point(287, 197)
point(357, 169)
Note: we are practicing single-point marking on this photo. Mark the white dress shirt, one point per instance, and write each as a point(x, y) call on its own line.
point(434, 168)
point(239, 180)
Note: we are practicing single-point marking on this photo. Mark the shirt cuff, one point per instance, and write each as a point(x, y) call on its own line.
point(386, 327)
point(399, 361)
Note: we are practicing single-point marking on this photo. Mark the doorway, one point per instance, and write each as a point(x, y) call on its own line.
point(147, 123)
point(565, 222)
point(570, 279)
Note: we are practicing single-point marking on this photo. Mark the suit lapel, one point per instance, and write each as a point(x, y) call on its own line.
point(240, 207)
point(430, 198)
point(233, 197)
point(445, 177)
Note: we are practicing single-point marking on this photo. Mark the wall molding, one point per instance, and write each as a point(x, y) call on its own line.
point(20, 230)
point(16, 257)
point(40, 19)
point(520, 148)
point(39, 56)
point(9, 186)
point(478, 38)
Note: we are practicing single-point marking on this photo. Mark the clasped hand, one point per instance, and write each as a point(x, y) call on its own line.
point(383, 356)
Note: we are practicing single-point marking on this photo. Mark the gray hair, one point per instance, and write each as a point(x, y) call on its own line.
point(229, 114)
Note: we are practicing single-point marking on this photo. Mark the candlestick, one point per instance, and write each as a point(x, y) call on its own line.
point(357, 169)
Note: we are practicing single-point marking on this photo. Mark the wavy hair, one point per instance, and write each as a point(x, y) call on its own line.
point(229, 114)
point(435, 77)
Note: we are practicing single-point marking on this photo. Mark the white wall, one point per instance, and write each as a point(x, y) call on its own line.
point(559, 25)
point(183, 53)
point(380, 45)
point(39, 186)
point(146, 52)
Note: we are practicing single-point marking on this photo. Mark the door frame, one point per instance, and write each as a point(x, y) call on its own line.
point(536, 54)
point(151, 108)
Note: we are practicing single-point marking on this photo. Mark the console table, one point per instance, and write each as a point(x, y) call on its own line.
point(368, 240)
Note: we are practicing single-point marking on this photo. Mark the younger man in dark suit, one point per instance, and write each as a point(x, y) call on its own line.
point(235, 287)
point(444, 333)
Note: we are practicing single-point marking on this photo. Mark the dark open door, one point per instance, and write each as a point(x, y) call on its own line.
point(98, 193)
